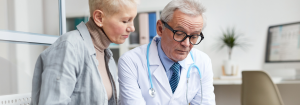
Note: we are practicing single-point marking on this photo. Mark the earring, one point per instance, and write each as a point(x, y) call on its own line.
point(100, 25)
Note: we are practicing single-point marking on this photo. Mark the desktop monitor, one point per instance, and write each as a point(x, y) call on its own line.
point(282, 57)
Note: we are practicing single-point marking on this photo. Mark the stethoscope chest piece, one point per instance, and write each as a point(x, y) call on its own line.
point(152, 92)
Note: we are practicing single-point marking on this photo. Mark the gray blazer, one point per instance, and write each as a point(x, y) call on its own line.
point(67, 73)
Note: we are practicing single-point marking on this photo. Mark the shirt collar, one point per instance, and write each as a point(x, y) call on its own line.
point(166, 61)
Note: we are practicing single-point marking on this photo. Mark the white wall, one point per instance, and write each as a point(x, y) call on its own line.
point(28, 18)
point(18, 60)
point(250, 17)
point(3, 12)
point(5, 79)
point(51, 17)
point(77, 8)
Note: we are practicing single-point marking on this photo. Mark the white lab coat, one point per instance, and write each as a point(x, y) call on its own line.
point(134, 80)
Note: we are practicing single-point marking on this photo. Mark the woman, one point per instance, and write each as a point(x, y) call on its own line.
point(78, 69)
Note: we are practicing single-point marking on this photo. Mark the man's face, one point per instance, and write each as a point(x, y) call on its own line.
point(177, 51)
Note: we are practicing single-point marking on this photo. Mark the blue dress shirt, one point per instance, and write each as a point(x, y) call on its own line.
point(166, 61)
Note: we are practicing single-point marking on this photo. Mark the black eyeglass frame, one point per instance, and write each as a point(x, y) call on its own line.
point(186, 35)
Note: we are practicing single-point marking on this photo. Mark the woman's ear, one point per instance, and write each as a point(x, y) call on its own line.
point(98, 16)
point(159, 28)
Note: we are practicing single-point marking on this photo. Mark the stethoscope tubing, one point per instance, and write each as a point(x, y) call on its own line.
point(151, 90)
point(148, 65)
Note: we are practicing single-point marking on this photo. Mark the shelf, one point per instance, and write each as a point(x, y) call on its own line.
point(275, 80)
point(113, 46)
point(227, 81)
point(117, 46)
point(131, 46)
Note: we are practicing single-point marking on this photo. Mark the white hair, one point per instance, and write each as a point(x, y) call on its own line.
point(188, 7)
point(110, 6)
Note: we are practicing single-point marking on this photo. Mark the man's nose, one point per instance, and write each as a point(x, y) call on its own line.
point(186, 42)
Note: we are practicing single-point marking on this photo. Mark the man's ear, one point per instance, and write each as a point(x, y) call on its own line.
point(98, 16)
point(159, 28)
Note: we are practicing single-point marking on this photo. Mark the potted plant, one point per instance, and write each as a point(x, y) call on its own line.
point(230, 39)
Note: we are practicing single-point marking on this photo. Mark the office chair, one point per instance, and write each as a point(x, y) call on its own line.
point(259, 89)
point(16, 99)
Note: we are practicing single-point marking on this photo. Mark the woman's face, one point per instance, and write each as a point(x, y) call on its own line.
point(118, 26)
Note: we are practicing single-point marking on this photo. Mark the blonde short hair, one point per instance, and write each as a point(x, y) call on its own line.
point(110, 7)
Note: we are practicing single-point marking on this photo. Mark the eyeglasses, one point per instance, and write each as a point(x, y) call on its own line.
point(180, 36)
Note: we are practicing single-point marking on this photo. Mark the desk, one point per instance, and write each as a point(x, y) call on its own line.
point(228, 91)
point(227, 81)
point(218, 81)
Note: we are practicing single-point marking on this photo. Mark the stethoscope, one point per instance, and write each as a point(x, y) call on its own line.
point(152, 91)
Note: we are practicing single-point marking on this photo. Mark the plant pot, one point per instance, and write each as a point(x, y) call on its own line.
point(230, 68)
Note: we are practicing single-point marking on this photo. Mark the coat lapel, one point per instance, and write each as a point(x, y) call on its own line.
point(157, 69)
point(85, 34)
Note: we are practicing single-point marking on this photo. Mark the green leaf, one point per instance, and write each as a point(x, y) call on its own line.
point(231, 40)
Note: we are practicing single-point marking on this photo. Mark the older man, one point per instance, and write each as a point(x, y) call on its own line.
point(168, 71)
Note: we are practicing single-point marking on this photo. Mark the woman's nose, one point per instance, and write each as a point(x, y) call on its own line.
point(130, 28)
